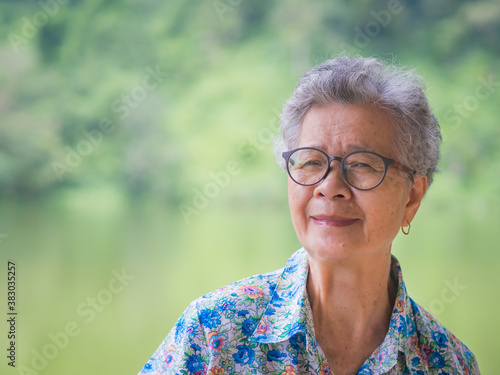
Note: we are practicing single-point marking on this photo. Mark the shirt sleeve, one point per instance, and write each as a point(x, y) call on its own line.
point(184, 350)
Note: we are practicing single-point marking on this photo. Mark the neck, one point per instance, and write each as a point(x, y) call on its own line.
point(352, 299)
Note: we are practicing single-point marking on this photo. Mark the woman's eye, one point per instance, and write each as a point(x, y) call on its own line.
point(312, 162)
point(360, 166)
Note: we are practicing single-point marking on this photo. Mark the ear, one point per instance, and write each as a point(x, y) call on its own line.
point(415, 196)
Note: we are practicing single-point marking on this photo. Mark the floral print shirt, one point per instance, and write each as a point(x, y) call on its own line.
point(264, 325)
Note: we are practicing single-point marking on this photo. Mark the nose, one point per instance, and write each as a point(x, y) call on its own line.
point(333, 185)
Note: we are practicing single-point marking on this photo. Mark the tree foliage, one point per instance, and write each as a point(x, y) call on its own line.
point(223, 70)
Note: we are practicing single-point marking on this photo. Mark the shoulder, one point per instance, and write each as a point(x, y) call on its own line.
point(218, 326)
point(252, 294)
point(248, 293)
point(212, 323)
point(246, 297)
point(440, 349)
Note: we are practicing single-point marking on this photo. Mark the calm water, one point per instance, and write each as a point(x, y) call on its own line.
point(101, 280)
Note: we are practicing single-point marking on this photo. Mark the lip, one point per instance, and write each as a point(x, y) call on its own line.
point(332, 221)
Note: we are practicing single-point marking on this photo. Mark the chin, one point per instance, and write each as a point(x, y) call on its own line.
point(329, 249)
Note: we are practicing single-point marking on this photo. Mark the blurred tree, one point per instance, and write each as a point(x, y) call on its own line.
point(69, 67)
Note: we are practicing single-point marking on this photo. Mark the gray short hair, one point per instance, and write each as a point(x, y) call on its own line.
point(355, 80)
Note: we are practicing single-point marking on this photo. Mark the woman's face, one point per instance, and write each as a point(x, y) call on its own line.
point(334, 220)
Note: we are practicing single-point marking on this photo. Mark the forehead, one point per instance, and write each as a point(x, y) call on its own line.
point(339, 129)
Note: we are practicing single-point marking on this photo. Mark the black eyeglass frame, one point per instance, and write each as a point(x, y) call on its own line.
point(387, 162)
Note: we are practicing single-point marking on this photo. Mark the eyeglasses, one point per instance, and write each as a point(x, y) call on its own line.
point(363, 170)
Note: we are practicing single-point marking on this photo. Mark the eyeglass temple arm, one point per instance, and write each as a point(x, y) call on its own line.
point(404, 168)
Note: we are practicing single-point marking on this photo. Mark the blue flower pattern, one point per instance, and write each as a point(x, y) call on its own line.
point(263, 325)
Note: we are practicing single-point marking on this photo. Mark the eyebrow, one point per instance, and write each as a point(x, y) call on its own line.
point(350, 147)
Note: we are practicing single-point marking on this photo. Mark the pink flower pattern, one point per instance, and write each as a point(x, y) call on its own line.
point(263, 325)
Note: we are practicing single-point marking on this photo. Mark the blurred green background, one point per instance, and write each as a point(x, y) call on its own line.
point(135, 140)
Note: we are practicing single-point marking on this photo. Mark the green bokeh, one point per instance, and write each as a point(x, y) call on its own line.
point(223, 75)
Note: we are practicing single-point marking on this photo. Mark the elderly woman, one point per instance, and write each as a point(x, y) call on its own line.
point(360, 145)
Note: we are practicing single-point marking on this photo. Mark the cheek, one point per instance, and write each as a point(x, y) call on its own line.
point(298, 197)
point(386, 214)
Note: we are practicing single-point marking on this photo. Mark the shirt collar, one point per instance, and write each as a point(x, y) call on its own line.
point(286, 315)
point(401, 338)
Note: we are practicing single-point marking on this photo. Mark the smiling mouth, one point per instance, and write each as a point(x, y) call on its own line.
point(333, 222)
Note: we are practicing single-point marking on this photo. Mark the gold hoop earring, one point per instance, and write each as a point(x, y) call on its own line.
point(408, 231)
